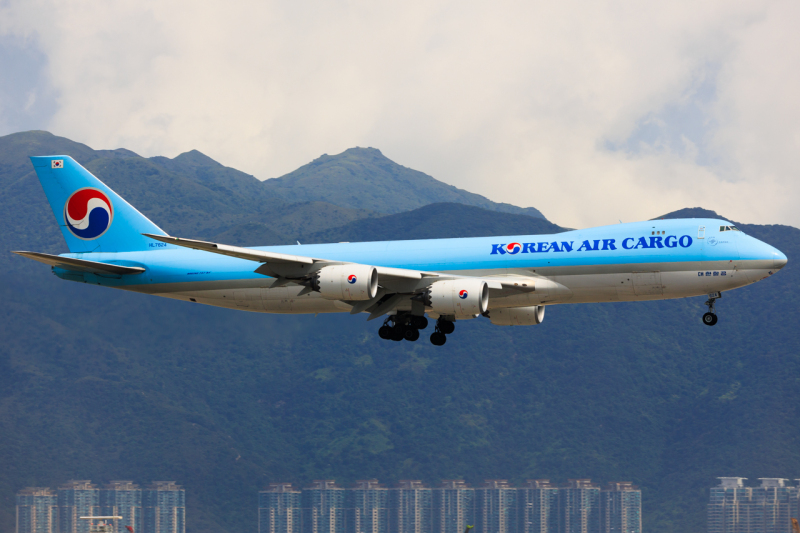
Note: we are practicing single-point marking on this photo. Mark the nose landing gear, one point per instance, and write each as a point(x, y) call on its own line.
point(710, 318)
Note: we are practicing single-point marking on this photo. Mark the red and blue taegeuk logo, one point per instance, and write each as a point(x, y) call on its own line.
point(351, 279)
point(88, 213)
point(514, 248)
point(463, 294)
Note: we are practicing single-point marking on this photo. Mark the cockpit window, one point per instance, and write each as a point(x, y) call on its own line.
point(728, 228)
point(723, 228)
point(733, 228)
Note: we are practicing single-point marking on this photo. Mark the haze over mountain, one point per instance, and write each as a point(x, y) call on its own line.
point(101, 384)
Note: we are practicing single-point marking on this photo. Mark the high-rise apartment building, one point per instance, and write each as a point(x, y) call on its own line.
point(122, 498)
point(367, 508)
point(323, 507)
point(723, 505)
point(621, 508)
point(496, 507)
point(279, 509)
point(410, 508)
point(579, 507)
point(537, 504)
point(768, 508)
point(37, 510)
point(164, 508)
point(76, 499)
point(453, 507)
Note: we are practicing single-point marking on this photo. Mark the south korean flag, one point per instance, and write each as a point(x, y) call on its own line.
point(57, 163)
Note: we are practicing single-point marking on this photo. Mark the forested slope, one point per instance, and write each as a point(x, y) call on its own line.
point(101, 384)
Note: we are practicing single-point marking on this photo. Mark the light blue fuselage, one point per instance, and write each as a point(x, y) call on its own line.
point(637, 261)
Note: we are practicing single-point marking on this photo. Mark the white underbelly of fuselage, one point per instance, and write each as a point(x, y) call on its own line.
point(581, 288)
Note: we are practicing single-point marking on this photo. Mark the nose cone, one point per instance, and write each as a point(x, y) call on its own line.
point(779, 260)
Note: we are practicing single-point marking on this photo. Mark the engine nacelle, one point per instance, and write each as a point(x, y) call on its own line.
point(460, 297)
point(517, 316)
point(346, 282)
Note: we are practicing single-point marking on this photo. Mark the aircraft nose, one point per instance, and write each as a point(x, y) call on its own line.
point(779, 260)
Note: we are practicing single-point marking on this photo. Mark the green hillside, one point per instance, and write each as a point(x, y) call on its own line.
point(365, 178)
point(101, 384)
point(436, 221)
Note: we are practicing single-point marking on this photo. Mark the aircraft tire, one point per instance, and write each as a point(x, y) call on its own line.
point(419, 322)
point(438, 338)
point(446, 327)
point(398, 333)
point(709, 319)
point(385, 332)
point(411, 334)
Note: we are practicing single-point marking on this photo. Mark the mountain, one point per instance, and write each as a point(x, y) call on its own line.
point(436, 221)
point(101, 384)
point(190, 195)
point(364, 178)
point(692, 212)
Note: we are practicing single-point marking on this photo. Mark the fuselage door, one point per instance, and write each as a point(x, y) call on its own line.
point(241, 298)
point(647, 283)
point(701, 232)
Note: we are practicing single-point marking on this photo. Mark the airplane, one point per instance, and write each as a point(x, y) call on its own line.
point(508, 279)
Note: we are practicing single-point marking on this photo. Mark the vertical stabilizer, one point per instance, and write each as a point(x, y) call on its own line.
point(92, 217)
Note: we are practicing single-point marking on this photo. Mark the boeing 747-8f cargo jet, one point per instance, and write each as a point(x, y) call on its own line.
point(508, 279)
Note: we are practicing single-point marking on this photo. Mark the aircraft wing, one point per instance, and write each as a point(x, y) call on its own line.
point(396, 284)
point(82, 265)
point(272, 258)
point(235, 251)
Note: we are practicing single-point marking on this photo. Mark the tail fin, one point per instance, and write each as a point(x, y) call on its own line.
point(93, 218)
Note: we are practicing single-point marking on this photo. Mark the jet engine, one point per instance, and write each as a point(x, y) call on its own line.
point(460, 297)
point(346, 282)
point(517, 316)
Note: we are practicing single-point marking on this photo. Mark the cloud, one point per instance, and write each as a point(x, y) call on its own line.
point(27, 100)
point(589, 111)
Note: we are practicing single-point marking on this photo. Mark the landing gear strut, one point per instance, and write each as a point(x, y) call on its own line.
point(710, 318)
point(443, 328)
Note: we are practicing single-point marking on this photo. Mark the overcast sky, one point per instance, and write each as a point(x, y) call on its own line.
point(590, 111)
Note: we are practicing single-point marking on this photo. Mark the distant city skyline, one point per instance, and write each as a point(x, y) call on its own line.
point(158, 508)
point(765, 508)
point(495, 506)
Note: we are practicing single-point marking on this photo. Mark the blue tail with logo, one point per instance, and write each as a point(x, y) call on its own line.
point(92, 217)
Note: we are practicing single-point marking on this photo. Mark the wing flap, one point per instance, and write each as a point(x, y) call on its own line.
point(403, 273)
point(82, 265)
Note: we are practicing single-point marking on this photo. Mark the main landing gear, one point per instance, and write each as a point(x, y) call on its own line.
point(443, 328)
point(399, 327)
point(710, 318)
point(406, 326)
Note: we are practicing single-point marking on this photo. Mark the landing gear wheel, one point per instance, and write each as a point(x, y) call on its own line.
point(398, 333)
point(419, 322)
point(385, 332)
point(446, 327)
point(411, 334)
point(438, 338)
point(710, 318)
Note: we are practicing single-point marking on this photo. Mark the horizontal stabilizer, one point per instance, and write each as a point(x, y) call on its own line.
point(82, 265)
